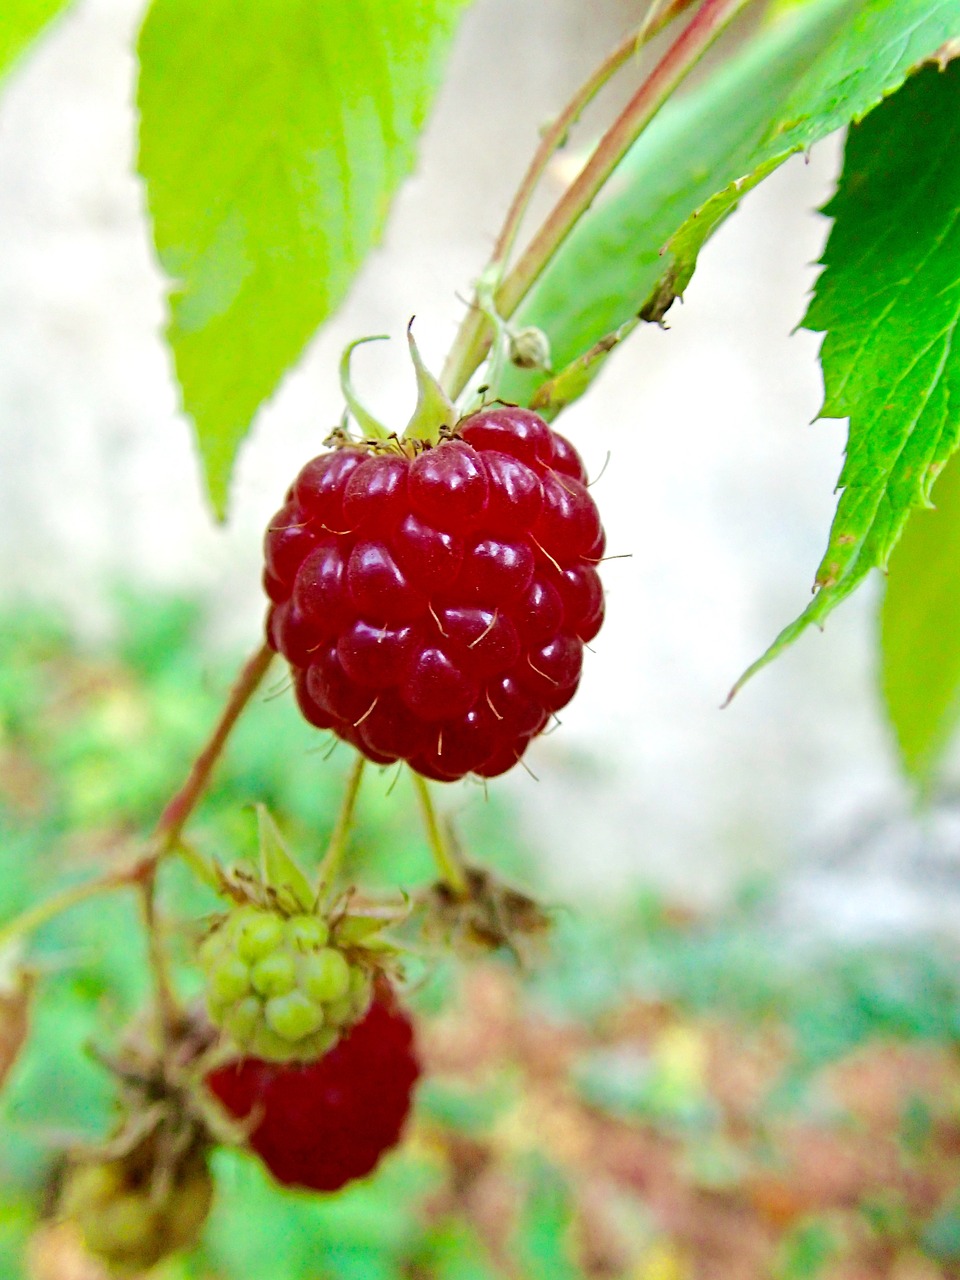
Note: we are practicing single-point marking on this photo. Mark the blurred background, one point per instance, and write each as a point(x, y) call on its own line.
point(779, 826)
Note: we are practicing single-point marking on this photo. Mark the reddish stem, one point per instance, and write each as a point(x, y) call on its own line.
point(554, 137)
point(680, 58)
point(473, 341)
point(175, 815)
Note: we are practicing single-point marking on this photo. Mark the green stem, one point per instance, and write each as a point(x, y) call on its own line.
point(473, 340)
point(175, 815)
point(447, 863)
point(166, 838)
point(169, 1016)
point(333, 858)
point(660, 14)
point(682, 56)
point(38, 915)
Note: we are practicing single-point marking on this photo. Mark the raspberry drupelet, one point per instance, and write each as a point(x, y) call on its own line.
point(433, 600)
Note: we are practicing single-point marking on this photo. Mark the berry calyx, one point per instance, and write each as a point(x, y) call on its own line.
point(322, 1124)
point(283, 987)
point(413, 582)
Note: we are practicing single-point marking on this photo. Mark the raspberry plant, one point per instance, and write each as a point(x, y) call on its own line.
point(432, 588)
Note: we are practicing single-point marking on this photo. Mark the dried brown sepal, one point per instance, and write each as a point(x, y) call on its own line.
point(145, 1192)
point(489, 916)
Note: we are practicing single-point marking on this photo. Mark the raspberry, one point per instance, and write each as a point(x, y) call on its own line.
point(321, 1124)
point(128, 1215)
point(279, 986)
point(434, 607)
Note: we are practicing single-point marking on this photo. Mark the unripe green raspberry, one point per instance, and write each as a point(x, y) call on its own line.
point(355, 1001)
point(229, 980)
point(278, 986)
point(294, 1016)
point(256, 933)
point(240, 1021)
point(326, 975)
point(275, 974)
point(361, 992)
point(119, 1227)
point(131, 1220)
point(307, 933)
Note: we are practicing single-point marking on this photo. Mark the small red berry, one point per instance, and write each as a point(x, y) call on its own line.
point(409, 591)
point(322, 1124)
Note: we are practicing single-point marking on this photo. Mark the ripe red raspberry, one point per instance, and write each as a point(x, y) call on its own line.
point(434, 607)
point(321, 1124)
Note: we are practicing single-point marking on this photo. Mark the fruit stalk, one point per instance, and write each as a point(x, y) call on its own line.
point(42, 912)
point(175, 815)
point(473, 340)
point(168, 829)
point(448, 865)
point(168, 1014)
point(333, 858)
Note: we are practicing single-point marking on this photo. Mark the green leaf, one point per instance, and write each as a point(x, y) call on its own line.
point(889, 302)
point(272, 138)
point(544, 1229)
point(807, 1251)
point(940, 1238)
point(919, 626)
point(685, 246)
point(810, 71)
point(21, 21)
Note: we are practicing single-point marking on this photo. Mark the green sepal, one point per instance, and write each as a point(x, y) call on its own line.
point(365, 932)
point(372, 428)
point(206, 869)
point(279, 870)
point(367, 928)
point(434, 409)
point(359, 928)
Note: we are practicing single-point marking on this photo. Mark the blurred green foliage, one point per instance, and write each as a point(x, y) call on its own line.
point(94, 740)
